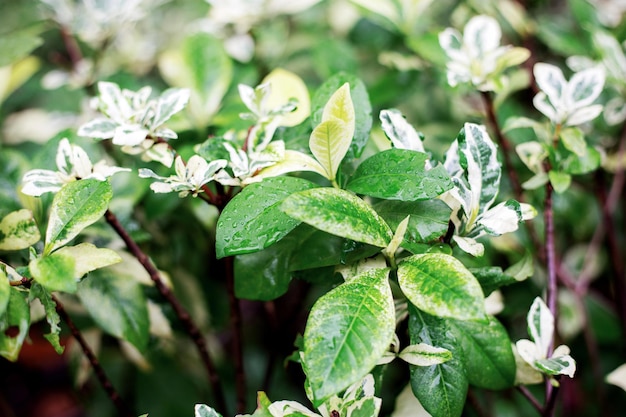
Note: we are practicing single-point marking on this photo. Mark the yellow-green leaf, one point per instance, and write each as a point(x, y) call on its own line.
point(329, 145)
point(88, 257)
point(18, 230)
point(284, 86)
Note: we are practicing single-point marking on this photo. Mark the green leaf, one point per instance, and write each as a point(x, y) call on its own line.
point(491, 278)
point(399, 174)
point(348, 330)
point(52, 317)
point(202, 410)
point(428, 219)
point(18, 230)
point(574, 139)
point(202, 65)
point(76, 206)
point(18, 44)
point(489, 359)
point(362, 109)
point(262, 406)
point(340, 213)
point(440, 285)
point(88, 258)
point(265, 275)
point(575, 164)
point(5, 290)
point(14, 324)
point(253, 219)
point(441, 388)
point(55, 272)
point(560, 181)
point(118, 306)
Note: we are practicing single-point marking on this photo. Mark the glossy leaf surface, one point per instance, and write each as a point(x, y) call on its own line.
point(399, 174)
point(428, 219)
point(253, 219)
point(489, 359)
point(348, 330)
point(441, 388)
point(76, 206)
point(440, 285)
point(340, 213)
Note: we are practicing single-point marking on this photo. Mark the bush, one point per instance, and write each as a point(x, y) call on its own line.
point(335, 208)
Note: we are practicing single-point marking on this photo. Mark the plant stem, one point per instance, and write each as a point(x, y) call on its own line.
point(121, 406)
point(548, 410)
point(182, 314)
point(530, 397)
point(237, 337)
point(504, 143)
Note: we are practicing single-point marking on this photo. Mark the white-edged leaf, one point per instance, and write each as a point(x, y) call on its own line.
point(287, 408)
point(170, 102)
point(18, 230)
point(559, 365)
point(585, 86)
point(203, 410)
point(551, 81)
point(469, 245)
point(540, 325)
point(423, 354)
point(100, 128)
point(401, 134)
point(584, 115)
point(501, 219)
point(482, 35)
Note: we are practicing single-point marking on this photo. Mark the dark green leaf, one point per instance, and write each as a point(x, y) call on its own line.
point(489, 359)
point(399, 174)
point(491, 278)
point(348, 330)
point(340, 213)
point(265, 275)
point(55, 272)
point(14, 324)
point(76, 206)
point(442, 388)
point(428, 219)
point(362, 109)
point(118, 305)
point(440, 285)
point(253, 219)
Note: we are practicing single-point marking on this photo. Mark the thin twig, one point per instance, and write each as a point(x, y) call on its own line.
point(182, 314)
point(548, 411)
point(121, 406)
point(530, 397)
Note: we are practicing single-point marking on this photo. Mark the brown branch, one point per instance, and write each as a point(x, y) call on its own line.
point(182, 314)
point(548, 410)
point(121, 406)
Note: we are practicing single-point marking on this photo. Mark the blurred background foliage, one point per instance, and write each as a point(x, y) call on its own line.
point(52, 52)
